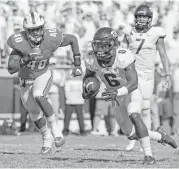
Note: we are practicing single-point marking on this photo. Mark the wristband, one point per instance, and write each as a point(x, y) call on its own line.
point(77, 59)
point(122, 91)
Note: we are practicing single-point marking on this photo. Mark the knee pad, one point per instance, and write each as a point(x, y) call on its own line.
point(146, 104)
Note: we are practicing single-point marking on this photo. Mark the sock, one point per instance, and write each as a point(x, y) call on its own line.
point(41, 125)
point(45, 131)
point(96, 121)
point(146, 117)
point(155, 135)
point(53, 125)
point(145, 144)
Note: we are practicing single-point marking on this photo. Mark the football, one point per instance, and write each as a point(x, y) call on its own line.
point(92, 85)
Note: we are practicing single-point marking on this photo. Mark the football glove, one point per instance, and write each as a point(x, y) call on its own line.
point(109, 94)
point(77, 71)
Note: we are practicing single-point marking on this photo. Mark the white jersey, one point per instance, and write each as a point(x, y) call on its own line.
point(114, 76)
point(143, 45)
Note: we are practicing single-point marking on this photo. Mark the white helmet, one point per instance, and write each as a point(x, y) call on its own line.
point(34, 26)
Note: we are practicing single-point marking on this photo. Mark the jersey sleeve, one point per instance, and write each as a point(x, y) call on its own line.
point(18, 42)
point(12, 42)
point(125, 58)
point(127, 30)
point(54, 37)
point(161, 32)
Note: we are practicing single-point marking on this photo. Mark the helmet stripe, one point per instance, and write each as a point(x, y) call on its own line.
point(33, 17)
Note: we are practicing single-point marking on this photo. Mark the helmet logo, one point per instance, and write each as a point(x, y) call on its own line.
point(114, 34)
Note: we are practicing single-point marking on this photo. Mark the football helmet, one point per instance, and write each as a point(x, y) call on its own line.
point(104, 44)
point(34, 27)
point(143, 16)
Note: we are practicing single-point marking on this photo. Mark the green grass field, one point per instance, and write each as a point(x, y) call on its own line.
point(81, 152)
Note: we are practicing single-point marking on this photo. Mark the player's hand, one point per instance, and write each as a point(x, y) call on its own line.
point(168, 82)
point(77, 71)
point(25, 59)
point(88, 95)
point(109, 94)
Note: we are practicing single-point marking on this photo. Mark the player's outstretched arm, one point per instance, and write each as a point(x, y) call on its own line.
point(14, 62)
point(164, 59)
point(69, 39)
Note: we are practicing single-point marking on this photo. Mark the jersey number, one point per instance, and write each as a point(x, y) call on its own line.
point(18, 38)
point(40, 65)
point(111, 79)
point(140, 45)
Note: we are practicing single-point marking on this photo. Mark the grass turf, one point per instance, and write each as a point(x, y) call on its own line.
point(81, 152)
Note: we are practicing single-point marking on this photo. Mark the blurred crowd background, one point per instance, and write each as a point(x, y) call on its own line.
point(82, 18)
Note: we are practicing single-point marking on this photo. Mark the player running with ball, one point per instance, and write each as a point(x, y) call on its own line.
point(115, 66)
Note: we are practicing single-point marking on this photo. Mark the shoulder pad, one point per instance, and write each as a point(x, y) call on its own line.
point(127, 30)
point(18, 41)
point(53, 35)
point(124, 57)
point(159, 31)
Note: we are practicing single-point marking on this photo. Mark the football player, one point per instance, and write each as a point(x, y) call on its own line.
point(32, 49)
point(115, 66)
point(144, 40)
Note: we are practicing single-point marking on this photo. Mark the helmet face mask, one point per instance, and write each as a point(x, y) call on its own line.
point(102, 48)
point(34, 27)
point(104, 44)
point(36, 34)
point(143, 17)
point(142, 21)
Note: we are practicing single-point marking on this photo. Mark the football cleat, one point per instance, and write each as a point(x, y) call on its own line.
point(48, 141)
point(46, 150)
point(166, 138)
point(59, 142)
point(149, 160)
